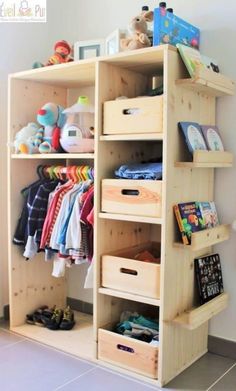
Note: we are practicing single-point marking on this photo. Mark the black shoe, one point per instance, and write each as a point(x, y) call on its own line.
point(68, 321)
point(36, 316)
point(55, 321)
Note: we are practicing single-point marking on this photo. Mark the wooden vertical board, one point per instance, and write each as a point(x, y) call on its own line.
point(179, 348)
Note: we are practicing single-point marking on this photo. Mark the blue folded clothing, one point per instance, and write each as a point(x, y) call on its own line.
point(140, 171)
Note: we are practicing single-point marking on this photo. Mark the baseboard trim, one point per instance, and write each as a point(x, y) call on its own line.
point(6, 312)
point(79, 305)
point(222, 347)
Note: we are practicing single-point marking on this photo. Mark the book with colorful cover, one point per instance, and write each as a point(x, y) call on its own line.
point(189, 218)
point(192, 133)
point(212, 138)
point(192, 59)
point(209, 214)
point(209, 277)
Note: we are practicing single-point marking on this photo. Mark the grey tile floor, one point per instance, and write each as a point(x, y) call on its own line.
point(27, 365)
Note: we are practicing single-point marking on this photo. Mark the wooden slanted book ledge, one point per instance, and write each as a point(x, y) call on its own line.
point(209, 82)
point(207, 237)
point(197, 316)
point(208, 159)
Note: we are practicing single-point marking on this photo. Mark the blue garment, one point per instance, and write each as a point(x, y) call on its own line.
point(140, 171)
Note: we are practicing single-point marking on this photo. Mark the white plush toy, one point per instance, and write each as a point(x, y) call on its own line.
point(26, 139)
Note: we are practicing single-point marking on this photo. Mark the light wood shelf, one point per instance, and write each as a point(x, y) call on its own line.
point(208, 159)
point(103, 79)
point(207, 238)
point(129, 296)
point(208, 82)
point(58, 156)
point(133, 137)
point(197, 316)
point(138, 219)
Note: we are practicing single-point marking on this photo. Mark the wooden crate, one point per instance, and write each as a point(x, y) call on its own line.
point(132, 197)
point(122, 272)
point(128, 353)
point(137, 115)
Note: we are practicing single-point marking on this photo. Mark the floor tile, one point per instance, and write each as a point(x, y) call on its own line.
point(202, 374)
point(7, 338)
point(101, 380)
point(227, 383)
point(31, 366)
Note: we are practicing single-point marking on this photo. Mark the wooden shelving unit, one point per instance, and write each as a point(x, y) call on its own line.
point(31, 284)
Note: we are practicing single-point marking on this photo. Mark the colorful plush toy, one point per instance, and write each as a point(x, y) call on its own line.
point(62, 55)
point(51, 117)
point(25, 139)
point(139, 29)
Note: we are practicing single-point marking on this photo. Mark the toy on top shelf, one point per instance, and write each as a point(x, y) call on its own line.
point(51, 117)
point(139, 32)
point(77, 133)
point(62, 54)
point(25, 139)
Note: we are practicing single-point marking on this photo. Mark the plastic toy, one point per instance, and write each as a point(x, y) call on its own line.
point(139, 32)
point(62, 55)
point(25, 139)
point(77, 133)
point(51, 117)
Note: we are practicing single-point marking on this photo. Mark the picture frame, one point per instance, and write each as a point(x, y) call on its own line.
point(88, 49)
point(112, 42)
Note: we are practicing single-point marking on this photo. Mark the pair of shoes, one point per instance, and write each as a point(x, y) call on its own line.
point(36, 316)
point(59, 319)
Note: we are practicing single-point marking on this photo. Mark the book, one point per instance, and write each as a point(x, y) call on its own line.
point(209, 214)
point(189, 219)
point(212, 138)
point(193, 136)
point(209, 277)
point(192, 59)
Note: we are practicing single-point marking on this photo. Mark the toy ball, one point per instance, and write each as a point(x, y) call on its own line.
point(194, 42)
point(45, 147)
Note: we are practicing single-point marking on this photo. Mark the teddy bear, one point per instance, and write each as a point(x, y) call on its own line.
point(139, 29)
point(51, 117)
point(62, 51)
point(28, 138)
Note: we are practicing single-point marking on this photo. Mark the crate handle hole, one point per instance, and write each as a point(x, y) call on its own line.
point(125, 348)
point(131, 111)
point(130, 192)
point(129, 271)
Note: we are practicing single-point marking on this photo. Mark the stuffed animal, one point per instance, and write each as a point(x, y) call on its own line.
point(138, 28)
point(27, 138)
point(62, 54)
point(51, 117)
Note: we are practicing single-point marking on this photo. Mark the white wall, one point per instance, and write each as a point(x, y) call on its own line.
point(218, 28)
point(20, 45)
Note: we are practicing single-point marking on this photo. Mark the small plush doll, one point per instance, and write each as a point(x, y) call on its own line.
point(62, 55)
point(25, 139)
point(138, 29)
point(51, 117)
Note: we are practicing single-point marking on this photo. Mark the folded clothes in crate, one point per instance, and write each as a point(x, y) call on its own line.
point(137, 326)
point(151, 171)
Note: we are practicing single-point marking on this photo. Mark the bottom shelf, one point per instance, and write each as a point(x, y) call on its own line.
point(197, 316)
point(78, 341)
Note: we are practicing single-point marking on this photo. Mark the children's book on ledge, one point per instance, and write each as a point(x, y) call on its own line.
point(201, 137)
point(209, 277)
point(195, 216)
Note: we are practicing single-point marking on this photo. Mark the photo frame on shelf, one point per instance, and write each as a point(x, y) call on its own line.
point(112, 42)
point(88, 49)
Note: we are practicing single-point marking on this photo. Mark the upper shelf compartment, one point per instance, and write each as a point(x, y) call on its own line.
point(208, 82)
point(71, 75)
